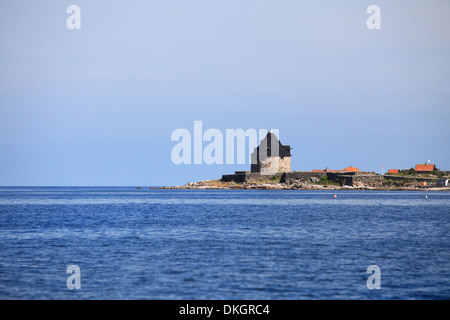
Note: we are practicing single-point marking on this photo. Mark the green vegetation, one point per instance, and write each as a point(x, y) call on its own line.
point(325, 182)
point(270, 179)
point(395, 183)
point(438, 174)
point(275, 178)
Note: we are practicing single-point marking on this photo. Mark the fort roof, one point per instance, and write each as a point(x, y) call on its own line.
point(425, 167)
point(348, 169)
point(283, 150)
point(351, 169)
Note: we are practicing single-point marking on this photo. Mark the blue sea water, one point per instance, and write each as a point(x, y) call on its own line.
point(222, 244)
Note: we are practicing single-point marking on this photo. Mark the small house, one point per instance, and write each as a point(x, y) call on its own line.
point(425, 168)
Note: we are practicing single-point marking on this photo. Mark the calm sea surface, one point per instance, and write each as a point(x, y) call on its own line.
point(222, 244)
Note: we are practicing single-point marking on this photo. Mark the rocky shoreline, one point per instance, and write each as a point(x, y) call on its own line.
point(219, 185)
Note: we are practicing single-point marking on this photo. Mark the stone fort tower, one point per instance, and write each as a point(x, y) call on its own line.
point(271, 156)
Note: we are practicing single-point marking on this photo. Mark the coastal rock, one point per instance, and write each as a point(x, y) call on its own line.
point(314, 179)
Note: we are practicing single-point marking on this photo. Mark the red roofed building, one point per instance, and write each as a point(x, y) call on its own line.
point(348, 169)
point(393, 170)
point(425, 167)
point(351, 169)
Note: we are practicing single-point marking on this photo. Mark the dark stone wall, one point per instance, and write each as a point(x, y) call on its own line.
point(245, 176)
point(302, 176)
point(367, 180)
point(284, 177)
point(356, 179)
point(233, 177)
point(305, 177)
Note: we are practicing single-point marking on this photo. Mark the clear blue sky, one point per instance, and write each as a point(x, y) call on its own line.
point(97, 106)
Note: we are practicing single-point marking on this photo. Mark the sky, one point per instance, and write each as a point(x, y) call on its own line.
point(97, 106)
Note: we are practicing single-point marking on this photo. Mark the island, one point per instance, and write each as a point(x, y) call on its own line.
point(271, 170)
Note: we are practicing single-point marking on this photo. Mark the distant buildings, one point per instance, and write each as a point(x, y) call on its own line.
point(419, 168)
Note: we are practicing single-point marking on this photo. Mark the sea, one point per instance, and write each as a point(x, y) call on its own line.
point(129, 243)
